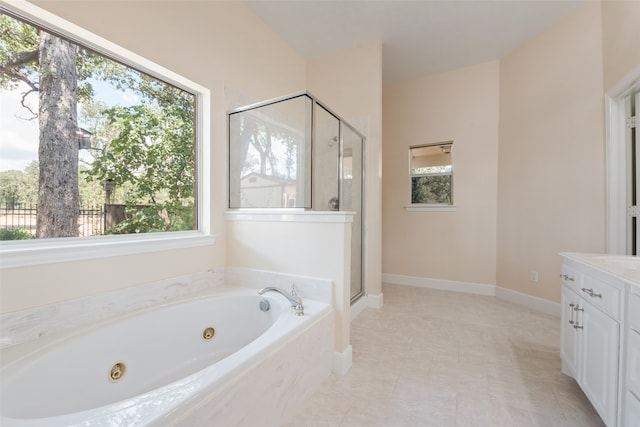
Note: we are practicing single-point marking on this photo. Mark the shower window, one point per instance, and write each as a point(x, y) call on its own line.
point(270, 155)
point(431, 169)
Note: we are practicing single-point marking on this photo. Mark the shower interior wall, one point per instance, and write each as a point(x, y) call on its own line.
point(336, 165)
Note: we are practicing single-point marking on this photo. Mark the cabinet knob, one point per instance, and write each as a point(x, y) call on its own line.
point(576, 326)
point(567, 277)
point(591, 293)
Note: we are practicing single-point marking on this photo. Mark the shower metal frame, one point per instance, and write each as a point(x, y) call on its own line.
point(343, 122)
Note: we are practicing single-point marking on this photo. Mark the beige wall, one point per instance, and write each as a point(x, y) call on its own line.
point(350, 83)
point(220, 45)
point(460, 105)
point(302, 248)
point(620, 39)
point(551, 181)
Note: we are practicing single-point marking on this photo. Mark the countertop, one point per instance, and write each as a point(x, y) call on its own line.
point(626, 268)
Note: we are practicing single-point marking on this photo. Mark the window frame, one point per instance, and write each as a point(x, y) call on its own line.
point(417, 207)
point(54, 250)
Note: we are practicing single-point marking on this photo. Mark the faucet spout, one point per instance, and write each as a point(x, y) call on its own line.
point(294, 299)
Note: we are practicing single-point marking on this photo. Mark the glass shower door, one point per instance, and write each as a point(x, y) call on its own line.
point(351, 199)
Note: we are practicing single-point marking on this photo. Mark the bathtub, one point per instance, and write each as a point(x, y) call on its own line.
point(201, 361)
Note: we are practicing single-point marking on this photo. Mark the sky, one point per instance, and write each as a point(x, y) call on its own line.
point(19, 137)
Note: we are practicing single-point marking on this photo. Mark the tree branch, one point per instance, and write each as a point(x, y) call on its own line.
point(18, 75)
point(34, 115)
point(21, 58)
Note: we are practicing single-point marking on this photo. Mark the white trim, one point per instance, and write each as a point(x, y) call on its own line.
point(430, 208)
point(28, 253)
point(24, 253)
point(288, 215)
point(616, 161)
point(445, 285)
point(358, 307)
point(341, 362)
point(535, 303)
point(375, 301)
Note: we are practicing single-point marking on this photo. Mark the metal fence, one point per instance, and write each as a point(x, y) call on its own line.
point(91, 221)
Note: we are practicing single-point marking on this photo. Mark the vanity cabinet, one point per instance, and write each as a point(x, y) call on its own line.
point(600, 332)
point(599, 348)
point(569, 336)
point(590, 333)
point(632, 390)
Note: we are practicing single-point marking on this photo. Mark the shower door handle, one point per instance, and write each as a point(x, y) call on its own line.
point(334, 204)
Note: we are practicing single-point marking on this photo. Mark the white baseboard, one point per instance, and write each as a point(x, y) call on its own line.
point(375, 301)
point(534, 303)
point(445, 285)
point(358, 307)
point(342, 362)
point(530, 301)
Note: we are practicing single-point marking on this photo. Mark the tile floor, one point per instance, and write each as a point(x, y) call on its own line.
point(436, 358)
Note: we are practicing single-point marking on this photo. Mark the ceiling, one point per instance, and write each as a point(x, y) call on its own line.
point(419, 36)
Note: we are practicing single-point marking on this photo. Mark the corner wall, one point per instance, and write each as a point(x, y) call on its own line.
point(620, 39)
point(350, 83)
point(551, 177)
point(459, 105)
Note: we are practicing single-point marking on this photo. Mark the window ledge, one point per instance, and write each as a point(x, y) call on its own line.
point(29, 253)
point(288, 215)
point(430, 208)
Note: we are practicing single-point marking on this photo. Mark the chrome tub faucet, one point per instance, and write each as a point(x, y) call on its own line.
point(293, 297)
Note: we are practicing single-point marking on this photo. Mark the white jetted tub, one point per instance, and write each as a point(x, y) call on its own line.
point(203, 361)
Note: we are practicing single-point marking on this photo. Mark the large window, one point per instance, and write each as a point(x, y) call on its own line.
point(94, 139)
point(432, 174)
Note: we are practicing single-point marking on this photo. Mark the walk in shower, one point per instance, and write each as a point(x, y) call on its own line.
point(295, 153)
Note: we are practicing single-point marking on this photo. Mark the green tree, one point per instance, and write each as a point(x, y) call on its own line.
point(47, 65)
point(153, 152)
point(431, 189)
point(147, 149)
point(19, 188)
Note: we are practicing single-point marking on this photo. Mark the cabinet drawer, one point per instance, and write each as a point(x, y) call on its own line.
point(634, 311)
point(571, 277)
point(633, 361)
point(631, 411)
point(602, 295)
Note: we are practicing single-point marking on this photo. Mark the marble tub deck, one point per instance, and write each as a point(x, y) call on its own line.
point(437, 358)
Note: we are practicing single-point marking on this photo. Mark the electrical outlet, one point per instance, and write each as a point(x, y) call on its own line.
point(533, 276)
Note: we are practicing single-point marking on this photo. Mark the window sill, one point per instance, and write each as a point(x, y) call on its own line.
point(288, 215)
point(29, 253)
point(430, 208)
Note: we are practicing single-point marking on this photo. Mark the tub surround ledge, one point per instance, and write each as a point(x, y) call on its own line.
point(37, 322)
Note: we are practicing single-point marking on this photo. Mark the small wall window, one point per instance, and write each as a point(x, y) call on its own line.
point(431, 167)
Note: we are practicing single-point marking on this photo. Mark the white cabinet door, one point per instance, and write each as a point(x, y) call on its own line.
point(632, 411)
point(569, 337)
point(599, 346)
